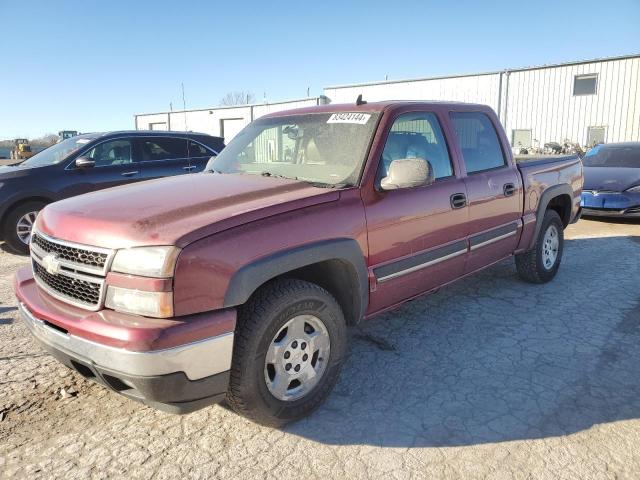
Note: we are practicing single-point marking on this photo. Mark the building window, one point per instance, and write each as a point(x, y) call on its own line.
point(585, 84)
point(521, 138)
point(595, 135)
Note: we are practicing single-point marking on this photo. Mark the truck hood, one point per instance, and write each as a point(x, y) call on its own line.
point(175, 210)
point(613, 179)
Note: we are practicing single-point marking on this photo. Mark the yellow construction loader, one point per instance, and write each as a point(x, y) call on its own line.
point(22, 149)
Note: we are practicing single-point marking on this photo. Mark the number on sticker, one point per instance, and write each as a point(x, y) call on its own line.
point(349, 117)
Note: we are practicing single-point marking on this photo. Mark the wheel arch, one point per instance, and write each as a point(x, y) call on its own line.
point(558, 198)
point(336, 265)
point(21, 201)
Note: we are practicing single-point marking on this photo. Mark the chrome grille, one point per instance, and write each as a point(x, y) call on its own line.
point(72, 254)
point(87, 293)
point(70, 272)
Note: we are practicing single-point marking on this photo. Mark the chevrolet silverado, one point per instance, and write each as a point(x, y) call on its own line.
point(239, 283)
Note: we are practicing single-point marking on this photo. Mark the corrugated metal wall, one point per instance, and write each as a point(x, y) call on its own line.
point(474, 89)
point(542, 101)
point(537, 99)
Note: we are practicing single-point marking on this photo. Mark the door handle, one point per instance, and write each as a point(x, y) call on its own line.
point(509, 189)
point(189, 168)
point(458, 200)
point(130, 174)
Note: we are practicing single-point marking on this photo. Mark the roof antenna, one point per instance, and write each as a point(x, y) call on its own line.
point(184, 107)
point(360, 101)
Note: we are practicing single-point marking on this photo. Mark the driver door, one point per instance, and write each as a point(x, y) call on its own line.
point(417, 238)
point(115, 164)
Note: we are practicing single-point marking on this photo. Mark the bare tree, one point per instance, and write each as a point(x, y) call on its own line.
point(237, 98)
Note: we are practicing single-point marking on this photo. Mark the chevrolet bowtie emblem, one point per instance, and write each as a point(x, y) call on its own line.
point(51, 263)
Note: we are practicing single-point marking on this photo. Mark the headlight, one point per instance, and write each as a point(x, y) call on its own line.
point(157, 262)
point(635, 189)
point(148, 304)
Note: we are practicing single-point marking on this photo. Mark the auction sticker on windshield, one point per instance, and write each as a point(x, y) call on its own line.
point(349, 117)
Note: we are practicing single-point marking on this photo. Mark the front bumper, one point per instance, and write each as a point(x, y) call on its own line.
point(179, 379)
point(610, 204)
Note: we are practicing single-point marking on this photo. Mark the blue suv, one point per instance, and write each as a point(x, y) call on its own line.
point(91, 162)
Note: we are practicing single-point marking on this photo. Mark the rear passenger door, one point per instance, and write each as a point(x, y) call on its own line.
point(417, 238)
point(199, 155)
point(494, 189)
point(163, 156)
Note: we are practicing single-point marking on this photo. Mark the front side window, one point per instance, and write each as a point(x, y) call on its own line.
point(417, 135)
point(323, 148)
point(114, 152)
point(478, 141)
point(163, 148)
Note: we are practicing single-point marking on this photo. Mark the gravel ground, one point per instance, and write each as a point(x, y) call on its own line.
point(489, 378)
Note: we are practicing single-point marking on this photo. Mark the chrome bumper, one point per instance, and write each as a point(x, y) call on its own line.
point(197, 360)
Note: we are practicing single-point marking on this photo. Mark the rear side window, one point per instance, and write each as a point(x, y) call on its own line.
point(197, 150)
point(417, 135)
point(478, 141)
point(161, 148)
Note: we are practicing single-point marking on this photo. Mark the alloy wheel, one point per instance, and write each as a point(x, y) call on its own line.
point(297, 357)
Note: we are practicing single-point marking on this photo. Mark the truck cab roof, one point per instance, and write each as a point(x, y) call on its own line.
point(372, 107)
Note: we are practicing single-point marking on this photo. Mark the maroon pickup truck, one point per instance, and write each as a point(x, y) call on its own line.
point(240, 282)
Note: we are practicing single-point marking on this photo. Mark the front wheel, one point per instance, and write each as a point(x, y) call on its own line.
point(289, 347)
point(19, 225)
point(541, 263)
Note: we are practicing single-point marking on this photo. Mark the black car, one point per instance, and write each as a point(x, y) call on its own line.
point(91, 162)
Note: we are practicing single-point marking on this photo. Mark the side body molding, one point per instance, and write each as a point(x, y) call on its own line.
point(248, 278)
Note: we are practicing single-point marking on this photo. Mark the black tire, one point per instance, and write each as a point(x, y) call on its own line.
point(12, 241)
point(530, 265)
point(259, 321)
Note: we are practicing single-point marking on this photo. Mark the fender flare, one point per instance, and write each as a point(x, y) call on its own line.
point(546, 197)
point(251, 276)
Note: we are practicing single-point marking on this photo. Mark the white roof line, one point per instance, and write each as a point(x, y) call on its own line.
point(495, 72)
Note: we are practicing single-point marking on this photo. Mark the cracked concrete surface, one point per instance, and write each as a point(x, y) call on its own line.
point(489, 378)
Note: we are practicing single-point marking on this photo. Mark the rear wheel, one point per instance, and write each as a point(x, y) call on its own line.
point(541, 263)
point(18, 226)
point(289, 348)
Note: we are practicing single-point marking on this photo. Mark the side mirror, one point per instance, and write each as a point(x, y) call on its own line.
point(407, 173)
point(85, 162)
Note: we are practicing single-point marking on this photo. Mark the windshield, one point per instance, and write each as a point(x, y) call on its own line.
point(58, 152)
point(323, 148)
point(622, 157)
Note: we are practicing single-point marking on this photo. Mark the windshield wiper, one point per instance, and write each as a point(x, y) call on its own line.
point(313, 183)
point(331, 185)
point(277, 175)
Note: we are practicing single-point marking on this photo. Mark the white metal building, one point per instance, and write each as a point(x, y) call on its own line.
point(219, 121)
point(583, 102)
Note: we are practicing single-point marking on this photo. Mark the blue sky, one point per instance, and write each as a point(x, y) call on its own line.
point(92, 65)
